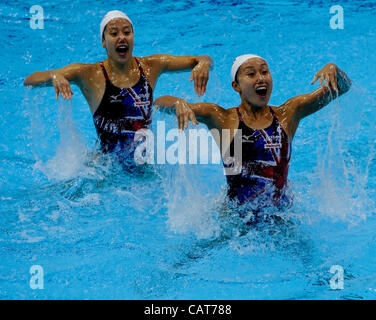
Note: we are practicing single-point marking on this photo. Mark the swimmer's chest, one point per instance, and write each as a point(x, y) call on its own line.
point(133, 102)
point(257, 144)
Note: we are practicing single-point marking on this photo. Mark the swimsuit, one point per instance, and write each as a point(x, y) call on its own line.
point(265, 159)
point(121, 113)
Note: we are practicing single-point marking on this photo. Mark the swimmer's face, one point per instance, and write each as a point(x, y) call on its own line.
point(254, 82)
point(118, 39)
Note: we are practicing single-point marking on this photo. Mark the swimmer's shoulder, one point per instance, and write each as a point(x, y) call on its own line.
point(79, 67)
point(283, 111)
point(285, 117)
point(278, 110)
point(150, 62)
point(213, 115)
point(154, 59)
point(78, 70)
point(89, 72)
point(225, 118)
point(209, 108)
point(159, 62)
point(91, 68)
point(151, 67)
point(232, 116)
point(230, 112)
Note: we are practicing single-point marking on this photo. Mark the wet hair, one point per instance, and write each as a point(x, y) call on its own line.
point(236, 77)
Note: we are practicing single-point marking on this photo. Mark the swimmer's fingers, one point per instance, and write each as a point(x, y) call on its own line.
point(66, 90)
point(69, 90)
point(200, 76)
point(195, 78)
point(56, 92)
point(62, 86)
point(331, 71)
point(328, 82)
point(198, 82)
point(181, 122)
point(333, 81)
point(189, 116)
point(186, 121)
point(63, 91)
point(315, 78)
point(184, 113)
point(192, 117)
point(322, 78)
point(56, 86)
point(179, 115)
point(192, 76)
point(328, 76)
point(204, 81)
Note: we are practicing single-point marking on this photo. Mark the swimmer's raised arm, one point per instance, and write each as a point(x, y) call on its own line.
point(59, 78)
point(208, 113)
point(336, 84)
point(200, 66)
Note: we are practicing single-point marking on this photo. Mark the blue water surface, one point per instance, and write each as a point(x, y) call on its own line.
point(99, 232)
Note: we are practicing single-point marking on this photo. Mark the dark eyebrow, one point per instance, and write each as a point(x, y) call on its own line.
point(114, 28)
point(249, 67)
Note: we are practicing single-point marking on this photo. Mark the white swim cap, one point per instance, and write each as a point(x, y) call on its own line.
point(239, 61)
point(112, 15)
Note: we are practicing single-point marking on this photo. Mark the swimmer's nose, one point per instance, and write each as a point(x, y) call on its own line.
point(260, 78)
point(122, 38)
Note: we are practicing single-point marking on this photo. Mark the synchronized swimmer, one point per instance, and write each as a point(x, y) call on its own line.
point(267, 131)
point(119, 91)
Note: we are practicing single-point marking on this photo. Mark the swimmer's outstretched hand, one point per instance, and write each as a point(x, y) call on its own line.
point(200, 75)
point(184, 113)
point(62, 86)
point(329, 75)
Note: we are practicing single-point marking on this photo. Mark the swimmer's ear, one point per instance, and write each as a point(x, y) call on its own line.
point(235, 86)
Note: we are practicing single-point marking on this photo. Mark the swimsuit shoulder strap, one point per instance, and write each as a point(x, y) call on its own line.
point(139, 67)
point(144, 77)
point(108, 78)
point(275, 119)
point(273, 113)
point(104, 71)
point(239, 114)
point(277, 123)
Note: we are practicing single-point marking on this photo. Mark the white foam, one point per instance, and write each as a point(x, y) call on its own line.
point(71, 152)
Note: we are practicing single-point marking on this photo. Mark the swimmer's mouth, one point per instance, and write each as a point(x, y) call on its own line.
point(122, 49)
point(261, 91)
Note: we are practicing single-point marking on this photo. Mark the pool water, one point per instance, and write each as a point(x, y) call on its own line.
point(100, 232)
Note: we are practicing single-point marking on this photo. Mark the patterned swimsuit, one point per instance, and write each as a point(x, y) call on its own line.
point(121, 113)
point(266, 157)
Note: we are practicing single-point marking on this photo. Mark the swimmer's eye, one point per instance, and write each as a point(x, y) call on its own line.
point(113, 34)
point(251, 74)
point(265, 72)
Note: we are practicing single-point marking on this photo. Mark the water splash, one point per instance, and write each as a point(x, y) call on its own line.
point(344, 174)
point(189, 209)
point(71, 152)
